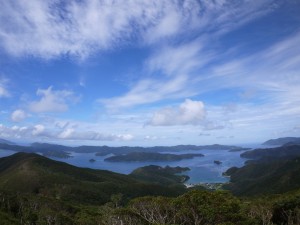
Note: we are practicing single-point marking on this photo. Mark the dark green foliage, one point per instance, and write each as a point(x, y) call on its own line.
point(150, 157)
point(287, 210)
point(195, 207)
point(162, 175)
point(7, 219)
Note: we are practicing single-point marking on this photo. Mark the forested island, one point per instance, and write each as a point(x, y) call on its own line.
point(283, 141)
point(150, 157)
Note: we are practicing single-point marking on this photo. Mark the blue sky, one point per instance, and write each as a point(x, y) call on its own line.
point(149, 72)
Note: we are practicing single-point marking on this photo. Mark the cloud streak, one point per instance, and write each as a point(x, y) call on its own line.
point(49, 29)
point(40, 131)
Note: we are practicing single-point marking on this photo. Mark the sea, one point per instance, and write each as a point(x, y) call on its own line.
point(202, 169)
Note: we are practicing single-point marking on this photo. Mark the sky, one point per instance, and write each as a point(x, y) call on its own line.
point(149, 72)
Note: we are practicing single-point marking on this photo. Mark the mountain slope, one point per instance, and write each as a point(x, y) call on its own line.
point(35, 174)
point(265, 177)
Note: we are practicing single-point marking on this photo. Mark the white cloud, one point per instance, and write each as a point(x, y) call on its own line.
point(72, 134)
point(52, 101)
point(18, 115)
point(23, 132)
point(50, 29)
point(38, 130)
point(188, 113)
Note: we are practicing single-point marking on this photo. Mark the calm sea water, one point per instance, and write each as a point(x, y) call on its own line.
point(203, 169)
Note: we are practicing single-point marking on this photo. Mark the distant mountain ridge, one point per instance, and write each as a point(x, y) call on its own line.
point(61, 151)
point(3, 141)
point(283, 141)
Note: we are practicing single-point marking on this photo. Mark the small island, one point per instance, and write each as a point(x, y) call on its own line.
point(92, 160)
point(217, 162)
point(150, 157)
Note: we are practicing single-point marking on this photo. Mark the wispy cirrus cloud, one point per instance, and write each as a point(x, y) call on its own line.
point(49, 29)
point(149, 91)
point(189, 61)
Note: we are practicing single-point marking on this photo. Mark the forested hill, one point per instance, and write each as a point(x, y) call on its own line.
point(35, 174)
point(269, 171)
point(265, 177)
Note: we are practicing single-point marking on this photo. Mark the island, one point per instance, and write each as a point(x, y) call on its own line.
point(217, 162)
point(150, 157)
point(286, 151)
point(92, 160)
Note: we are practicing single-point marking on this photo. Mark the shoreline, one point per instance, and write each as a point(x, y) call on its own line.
point(207, 185)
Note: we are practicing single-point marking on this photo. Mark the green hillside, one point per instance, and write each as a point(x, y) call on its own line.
point(32, 173)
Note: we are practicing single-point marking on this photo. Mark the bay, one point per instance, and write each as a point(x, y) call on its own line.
point(203, 169)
